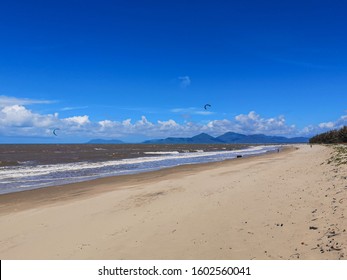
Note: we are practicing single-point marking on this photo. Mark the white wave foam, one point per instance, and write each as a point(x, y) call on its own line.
point(18, 173)
point(162, 153)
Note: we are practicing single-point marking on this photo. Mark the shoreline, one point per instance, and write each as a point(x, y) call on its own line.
point(31, 174)
point(287, 205)
point(21, 200)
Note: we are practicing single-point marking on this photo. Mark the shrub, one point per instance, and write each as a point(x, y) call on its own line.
point(331, 137)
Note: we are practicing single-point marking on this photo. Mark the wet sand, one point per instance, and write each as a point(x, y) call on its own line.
point(287, 205)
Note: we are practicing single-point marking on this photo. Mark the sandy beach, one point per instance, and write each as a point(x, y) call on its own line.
point(287, 205)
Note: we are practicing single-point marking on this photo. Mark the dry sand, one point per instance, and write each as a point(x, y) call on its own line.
point(287, 205)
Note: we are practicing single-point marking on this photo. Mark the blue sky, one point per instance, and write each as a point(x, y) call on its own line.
point(134, 70)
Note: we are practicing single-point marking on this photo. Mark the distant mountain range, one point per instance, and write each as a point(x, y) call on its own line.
point(227, 138)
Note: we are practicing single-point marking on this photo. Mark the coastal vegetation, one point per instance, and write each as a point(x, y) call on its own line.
point(331, 137)
point(339, 156)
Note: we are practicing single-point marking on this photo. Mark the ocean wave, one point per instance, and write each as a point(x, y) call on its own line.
point(14, 178)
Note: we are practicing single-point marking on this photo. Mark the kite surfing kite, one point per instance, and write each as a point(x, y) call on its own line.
point(206, 106)
point(54, 131)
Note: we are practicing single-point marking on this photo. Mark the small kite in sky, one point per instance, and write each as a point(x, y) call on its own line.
point(206, 106)
point(54, 131)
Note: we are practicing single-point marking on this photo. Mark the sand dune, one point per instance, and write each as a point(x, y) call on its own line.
point(287, 205)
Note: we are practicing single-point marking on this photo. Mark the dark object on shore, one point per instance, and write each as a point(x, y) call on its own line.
point(314, 228)
point(239, 156)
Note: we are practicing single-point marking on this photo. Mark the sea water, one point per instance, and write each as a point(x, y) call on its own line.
point(32, 174)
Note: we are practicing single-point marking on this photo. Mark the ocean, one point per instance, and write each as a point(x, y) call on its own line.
point(32, 166)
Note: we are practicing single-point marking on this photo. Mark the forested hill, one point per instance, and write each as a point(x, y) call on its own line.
point(330, 137)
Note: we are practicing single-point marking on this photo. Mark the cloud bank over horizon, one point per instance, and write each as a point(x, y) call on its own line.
point(16, 119)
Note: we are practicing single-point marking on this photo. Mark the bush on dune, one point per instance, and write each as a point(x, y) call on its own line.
point(331, 137)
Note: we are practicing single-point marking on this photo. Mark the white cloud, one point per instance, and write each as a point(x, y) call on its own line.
point(168, 125)
point(17, 120)
point(106, 123)
point(73, 108)
point(184, 81)
point(19, 116)
point(143, 123)
point(328, 125)
point(179, 110)
point(126, 122)
point(191, 111)
point(79, 120)
point(218, 127)
point(10, 101)
point(253, 123)
point(204, 113)
point(325, 126)
point(16, 115)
